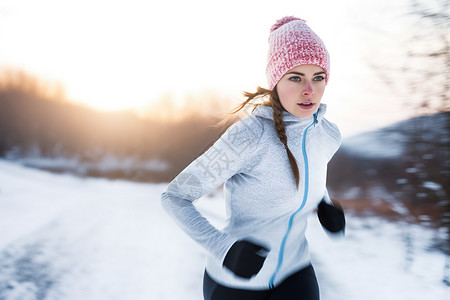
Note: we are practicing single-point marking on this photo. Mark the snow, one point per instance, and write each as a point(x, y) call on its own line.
point(376, 144)
point(432, 185)
point(77, 166)
point(64, 237)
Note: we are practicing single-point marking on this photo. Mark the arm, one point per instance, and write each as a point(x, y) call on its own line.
point(230, 155)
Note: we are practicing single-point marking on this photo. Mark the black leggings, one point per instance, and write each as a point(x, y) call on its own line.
point(299, 286)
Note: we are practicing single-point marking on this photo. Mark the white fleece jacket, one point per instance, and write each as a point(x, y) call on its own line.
point(260, 192)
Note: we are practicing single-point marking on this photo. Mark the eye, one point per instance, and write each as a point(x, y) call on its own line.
point(295, 78)
point(319, 78)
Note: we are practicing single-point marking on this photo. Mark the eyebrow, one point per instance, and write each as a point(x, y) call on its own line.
point(301, 74)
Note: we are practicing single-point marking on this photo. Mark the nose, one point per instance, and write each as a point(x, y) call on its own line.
point(308, 90)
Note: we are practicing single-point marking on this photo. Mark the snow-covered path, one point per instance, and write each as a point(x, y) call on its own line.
point(63, 237)
point(67, 238)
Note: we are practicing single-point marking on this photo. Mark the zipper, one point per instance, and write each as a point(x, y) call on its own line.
point(291, 218)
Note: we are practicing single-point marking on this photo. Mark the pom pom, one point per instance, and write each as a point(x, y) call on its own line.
point(283, 21)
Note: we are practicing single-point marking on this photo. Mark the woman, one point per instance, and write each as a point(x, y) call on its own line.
point(274, 165)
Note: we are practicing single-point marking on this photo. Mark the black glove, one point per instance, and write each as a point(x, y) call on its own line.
point(245, 258)
point(331, 216)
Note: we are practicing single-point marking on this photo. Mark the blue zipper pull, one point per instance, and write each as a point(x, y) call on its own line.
point(315, 118)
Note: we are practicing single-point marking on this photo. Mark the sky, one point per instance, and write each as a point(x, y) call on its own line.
point(127, 54)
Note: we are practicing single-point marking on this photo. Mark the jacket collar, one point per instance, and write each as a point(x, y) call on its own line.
point(266, 112)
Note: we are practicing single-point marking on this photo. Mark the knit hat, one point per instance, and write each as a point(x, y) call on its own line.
point(293, 43)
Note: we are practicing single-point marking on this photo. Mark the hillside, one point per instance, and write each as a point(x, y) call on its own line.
point(401, 171)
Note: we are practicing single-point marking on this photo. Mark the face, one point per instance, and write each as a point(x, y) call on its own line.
point(301, 89)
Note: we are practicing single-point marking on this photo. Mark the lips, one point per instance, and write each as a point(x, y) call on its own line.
point(306, 105)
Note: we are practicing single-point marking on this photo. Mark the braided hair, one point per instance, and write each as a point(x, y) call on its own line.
point(274, 102)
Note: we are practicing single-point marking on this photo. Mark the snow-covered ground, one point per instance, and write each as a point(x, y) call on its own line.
point(63, 237)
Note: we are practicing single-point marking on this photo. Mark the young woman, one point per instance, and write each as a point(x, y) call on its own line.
point(274, 166)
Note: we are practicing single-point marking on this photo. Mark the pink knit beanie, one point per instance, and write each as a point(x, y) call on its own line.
point(293, 43)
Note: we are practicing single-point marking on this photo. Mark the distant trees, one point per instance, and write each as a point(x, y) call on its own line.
point(411, 188)
point(421, 77)
point(36, 121)
point(430, 45)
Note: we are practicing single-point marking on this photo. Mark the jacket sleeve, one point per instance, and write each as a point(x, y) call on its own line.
point(326, 197)
point(335, 138)
point(229, 155)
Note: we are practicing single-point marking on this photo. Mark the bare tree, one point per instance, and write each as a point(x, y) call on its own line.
point(430, 46)
point(429, 54)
